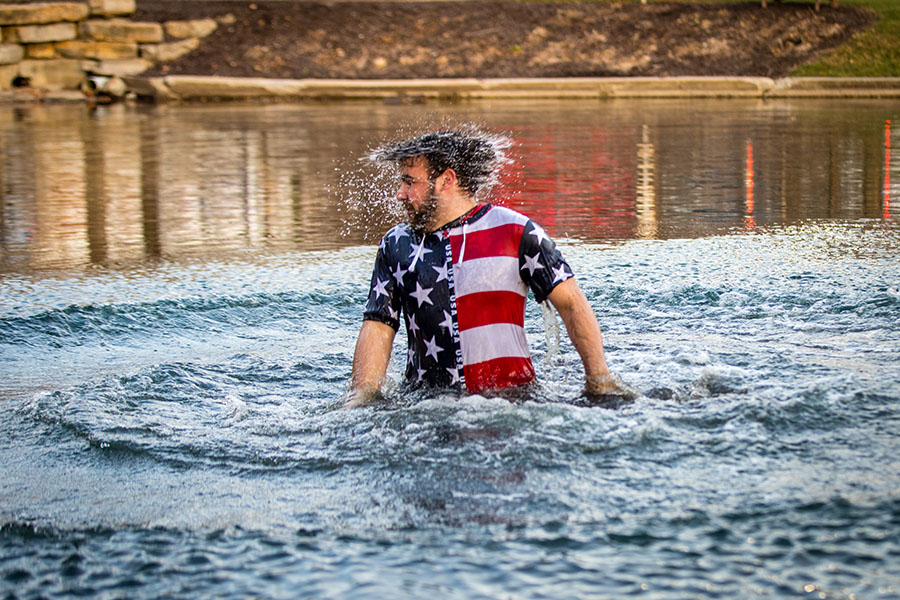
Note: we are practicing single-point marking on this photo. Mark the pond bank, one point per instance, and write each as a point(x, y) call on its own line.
point(308, 50)
point(186, 88)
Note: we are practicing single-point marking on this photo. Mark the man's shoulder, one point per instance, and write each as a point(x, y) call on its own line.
point(508, 213)
point(396, 235)
point(498, 216)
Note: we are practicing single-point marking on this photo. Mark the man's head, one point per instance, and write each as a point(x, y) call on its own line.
point(472, 157)
point(441, 173)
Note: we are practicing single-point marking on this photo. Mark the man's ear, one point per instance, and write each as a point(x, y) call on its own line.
point(446, 180)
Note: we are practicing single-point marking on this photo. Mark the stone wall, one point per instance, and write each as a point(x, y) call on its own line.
point(86, 45)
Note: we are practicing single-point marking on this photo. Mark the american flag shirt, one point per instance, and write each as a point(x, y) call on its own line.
point(461, 291)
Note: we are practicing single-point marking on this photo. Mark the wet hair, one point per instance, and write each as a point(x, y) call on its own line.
point(474, 158)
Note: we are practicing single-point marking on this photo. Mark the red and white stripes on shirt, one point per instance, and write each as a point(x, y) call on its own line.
point(462, 290)
point(490, 299)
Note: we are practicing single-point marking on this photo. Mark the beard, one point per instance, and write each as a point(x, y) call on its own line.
point(421, 217)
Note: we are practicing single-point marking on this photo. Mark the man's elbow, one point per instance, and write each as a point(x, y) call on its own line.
point(567, 297)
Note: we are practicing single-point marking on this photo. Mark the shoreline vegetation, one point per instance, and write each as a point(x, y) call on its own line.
point(411, 49)
point(410, 39)
point(874, 52)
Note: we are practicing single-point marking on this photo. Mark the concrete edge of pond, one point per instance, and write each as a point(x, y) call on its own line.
point(187, 88)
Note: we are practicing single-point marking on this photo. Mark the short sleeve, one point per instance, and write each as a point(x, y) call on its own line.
point(541, 264)
point(383, 303)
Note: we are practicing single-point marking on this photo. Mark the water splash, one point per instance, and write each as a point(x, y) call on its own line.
point(366, 200)
point(551, 332)
point(478, 156)
point(367, 185)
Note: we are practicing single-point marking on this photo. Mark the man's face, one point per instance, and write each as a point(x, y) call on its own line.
point(416, 193)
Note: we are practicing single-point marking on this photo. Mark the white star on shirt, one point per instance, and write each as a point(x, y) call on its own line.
point(533, 263)
point(413, 326)
point(433, 348)
point(560, 274)
point(399, 273)
point(454, 373)
point(442, 272)
point(421, 294)
point(410, 354)
point(421, 373)
point(397, 233)
point(539, 233)
point(415, 249)
point(394, 314)
point(447, 322)
point(378, 288)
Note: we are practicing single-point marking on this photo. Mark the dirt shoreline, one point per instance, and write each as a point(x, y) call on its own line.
point(415, 40)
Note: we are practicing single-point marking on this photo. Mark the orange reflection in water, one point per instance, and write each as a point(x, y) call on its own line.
point(887, 169)
point(749, 179)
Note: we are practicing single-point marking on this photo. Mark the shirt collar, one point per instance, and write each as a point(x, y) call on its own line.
point(473, 215)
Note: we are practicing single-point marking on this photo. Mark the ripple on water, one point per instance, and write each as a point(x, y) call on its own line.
point(760, 455)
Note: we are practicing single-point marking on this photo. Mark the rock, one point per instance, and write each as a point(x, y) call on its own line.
point(115, 87)
point(7, 74)
point(149, 87)
point(38, 14)
point(37, 34)
point(122, 31)
point(97, 50)
point(168, 51)
point(116, 68)
point(11, 53)
point(197, 28)
point(59, 73)
point(42, 51)
point(112, 8)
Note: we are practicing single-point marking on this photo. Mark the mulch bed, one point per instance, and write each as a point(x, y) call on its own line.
point(377, 40)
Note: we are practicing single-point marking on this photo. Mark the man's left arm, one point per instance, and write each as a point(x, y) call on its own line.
point(370, 363)
point(584, 331)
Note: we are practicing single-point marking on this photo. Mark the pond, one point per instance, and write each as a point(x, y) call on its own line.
point(180, 292)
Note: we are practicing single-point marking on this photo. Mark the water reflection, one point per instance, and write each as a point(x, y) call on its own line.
point(645, 192)
point(887, 169)
point(123, 184)
point(749, 185)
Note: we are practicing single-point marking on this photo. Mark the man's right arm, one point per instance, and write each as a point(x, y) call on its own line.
point(370, 362)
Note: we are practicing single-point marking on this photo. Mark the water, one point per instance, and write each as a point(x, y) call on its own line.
point(178, 312)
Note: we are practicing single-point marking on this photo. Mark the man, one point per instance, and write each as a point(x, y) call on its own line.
point(458, 271)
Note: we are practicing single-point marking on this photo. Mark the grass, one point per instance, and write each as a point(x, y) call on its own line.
point(872, 53)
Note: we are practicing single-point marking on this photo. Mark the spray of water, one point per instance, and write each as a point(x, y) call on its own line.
point(368, 184)
point(551, 332)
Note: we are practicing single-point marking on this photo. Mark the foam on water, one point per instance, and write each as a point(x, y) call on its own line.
point(742, 375)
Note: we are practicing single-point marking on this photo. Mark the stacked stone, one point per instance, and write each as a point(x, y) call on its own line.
point(63, 45)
